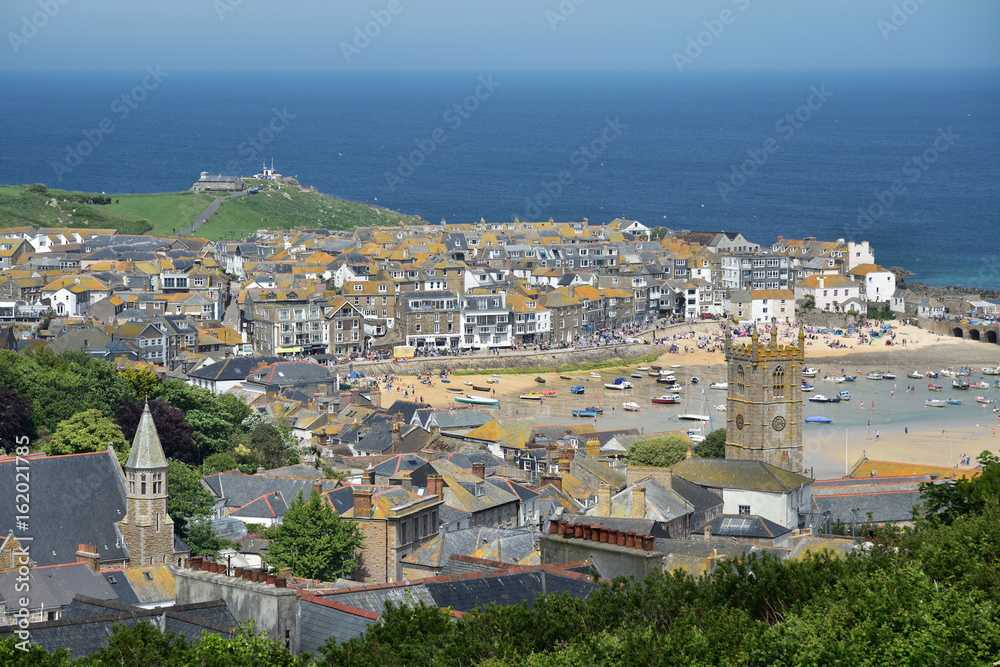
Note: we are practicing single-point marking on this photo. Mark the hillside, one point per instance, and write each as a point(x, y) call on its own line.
point(164, 212)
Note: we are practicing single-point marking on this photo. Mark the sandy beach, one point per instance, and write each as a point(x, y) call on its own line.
point(907, 432)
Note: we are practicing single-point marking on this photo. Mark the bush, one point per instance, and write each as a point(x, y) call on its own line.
point(37, 187)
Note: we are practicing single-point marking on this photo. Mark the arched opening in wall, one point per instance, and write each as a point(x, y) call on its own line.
point(991, 337)
point(973, 334)
point(957, 332)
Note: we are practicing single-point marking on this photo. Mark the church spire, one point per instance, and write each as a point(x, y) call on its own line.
point(147, 453)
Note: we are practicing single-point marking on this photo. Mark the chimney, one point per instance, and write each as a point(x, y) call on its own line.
point(435, 486)
point(593, 448)
point(362, 503)
point(87, 553)
point(397, 440)
point(604, 500)
point(639, 503)
point(554, 480)
point(569, 453)
point(479, 470)
point(318, 487)
point(708, 533)
point(435, 430)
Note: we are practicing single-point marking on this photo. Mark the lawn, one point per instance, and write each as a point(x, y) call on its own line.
point(60, 208)
point(166, 210)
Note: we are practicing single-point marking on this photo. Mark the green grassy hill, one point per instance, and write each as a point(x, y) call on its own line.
point(285, 208)
point(162, 213)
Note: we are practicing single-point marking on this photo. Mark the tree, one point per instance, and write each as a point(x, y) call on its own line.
point(174, 431)
point(808, 302)
point(202, 539)
point(188, 499)
point(314, 541)
point(952, 499)
point(142, 380)
point(220, 462)
point(270, 448)
point(15, 419)
point(660, 451)
point(87, 431)
point(714, 445)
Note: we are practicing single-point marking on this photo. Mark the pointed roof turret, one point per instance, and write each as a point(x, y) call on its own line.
point(147, 453)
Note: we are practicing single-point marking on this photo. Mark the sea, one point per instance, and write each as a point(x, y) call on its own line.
point(908, 160)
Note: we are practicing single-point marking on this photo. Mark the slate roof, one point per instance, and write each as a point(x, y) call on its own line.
point(697, 496)
point(733, 474)
point(522, 492)
point(398, 463)
point(407, 408)
point(734, 525)
point(639, 526)
point(239, 489)
point(232, 369)
point(662, 504)
point(501, 543)
point(321, 619)
point(78, 498)
point(889, 506)
point(146, 453)
point(55, 585)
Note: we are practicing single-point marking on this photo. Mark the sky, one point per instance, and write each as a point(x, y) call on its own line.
point(215, 35)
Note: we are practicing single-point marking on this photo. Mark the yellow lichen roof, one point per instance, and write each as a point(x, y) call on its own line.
point(865, 466)
point(84, 281)
point(154, 583)
point(865, 269)
point(827, 282)
point(772, 294)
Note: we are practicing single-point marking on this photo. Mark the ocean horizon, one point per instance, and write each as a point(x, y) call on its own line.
point(906, 159)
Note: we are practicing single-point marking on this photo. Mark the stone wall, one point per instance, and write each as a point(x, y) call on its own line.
point(612, 560)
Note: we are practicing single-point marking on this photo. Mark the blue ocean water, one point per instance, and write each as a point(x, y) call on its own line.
point(908, 160)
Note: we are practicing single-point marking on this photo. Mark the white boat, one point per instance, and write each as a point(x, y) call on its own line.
point(677, 365)
point(719, 385)
point(915, 375)
point(982, 399)
point(468, 384)
point(630, 406)
point(808, 387)
point(673, 387)
point(888, 376)
point(477, 400)
point(619, 386)
point(874, 376)
point(642, 368)
point(720, 408)
point(820, 398)
point(595, 375)
point(947, 372)
point(810, 372)
point(934, 403)
point(982, 384)
point(689, 416)
point(831, 378)
point(991, 371)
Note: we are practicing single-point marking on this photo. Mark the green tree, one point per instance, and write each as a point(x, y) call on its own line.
point(220, 462)
point(202, 539)
point(270, 447)
point(87, 431)
point(143, 381)
point(660, 451)
point(314, 541)
point(188, 499)
point(714, 445)
point(954, 498)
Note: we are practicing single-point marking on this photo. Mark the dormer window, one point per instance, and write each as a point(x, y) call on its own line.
point(357, 287)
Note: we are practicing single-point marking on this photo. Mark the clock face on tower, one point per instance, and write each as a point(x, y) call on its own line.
point(778, 423)
point(739, 422)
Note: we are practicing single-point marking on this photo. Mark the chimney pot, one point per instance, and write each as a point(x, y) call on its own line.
point(362, 503)
point(708, 533)
point(318, 487)
point(479, 470)
point(280, 582)
point(595, 532)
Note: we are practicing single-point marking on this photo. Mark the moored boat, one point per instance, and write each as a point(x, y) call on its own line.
point(954, 401)
point(807, 387)
point(549, 392)
point(982, 384)
point(477, 400)
point(837, 379)
point(888, 376)
point(540, 380)
point(844, 395)
point(934, 387)
point(637, 375)
point(874, 376)
point(532, 396)
point(456, 390)
point(810, 372)
point(818, 420)
point(915, 375)
point(982, 399)
point(642, 368)
point(630, 406)
point(719, 385)
point(584, 413)
point(850, 378)
point(820, 398)
point(599, 410)
point(934, 403)
point(689, 416)
point(477, 387)
point(578, 389)
point(667, 399)
point(595, 375)
point(565, 377)
point(960, 384)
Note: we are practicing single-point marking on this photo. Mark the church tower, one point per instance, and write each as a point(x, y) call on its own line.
point(147, 529)
point(764, 401)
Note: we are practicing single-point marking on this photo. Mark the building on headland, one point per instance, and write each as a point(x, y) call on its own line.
point(764, 401)
point(218, 183)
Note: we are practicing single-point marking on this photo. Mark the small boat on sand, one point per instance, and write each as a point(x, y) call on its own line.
point(630, 406)
point(532, 396)
point(819, 420)
point(584, 413)
point(667, 399)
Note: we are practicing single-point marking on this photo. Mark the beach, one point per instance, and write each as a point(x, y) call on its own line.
point(908, 432)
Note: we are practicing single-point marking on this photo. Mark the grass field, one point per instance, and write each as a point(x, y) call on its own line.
point(164, 211)
point(286, 208)
point(61, 208)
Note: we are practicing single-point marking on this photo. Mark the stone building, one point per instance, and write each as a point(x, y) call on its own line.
point(764, 402)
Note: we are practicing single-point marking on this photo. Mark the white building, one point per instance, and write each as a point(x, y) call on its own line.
point(829, 292)
point(877, 284)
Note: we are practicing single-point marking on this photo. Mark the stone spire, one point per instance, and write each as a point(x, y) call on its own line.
point(147, 453)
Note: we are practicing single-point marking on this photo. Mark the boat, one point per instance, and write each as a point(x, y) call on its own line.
point(642, 368)
point(930, 374)
point(850, 378)
point(655, 368)
point(477, 400)
point(982, 399)
point(948, 373)
point(496, 375)
point(457, 390)
point(578, 389)
point(954, 401)
point(637, 375)
point(666, 380)
point(654, 374)
point(719, 385)
point(549, 392)
point(565, 377)
point(982, 384)
point(934, 387)
point(820, 398)
point(689, 416)
point(959, 384)
point(934, 403)
point(695, 379)
point(996, 383)
point(915, 375)
point(991, 371)
point(810, 372)
point(888, 376)
point(540, 380)
point(467, 384)
point(532, 396)
point(831, 378)
point(874, 376)
point(673, 387)
point(630, 406)
point(597, 410)
point(695, 436)
point(480, 388)
point(720, 408)
point(619, 384)
point(818, 420)
point(446, 381)
point(667, 399)
point(807, 387)
point(584, 413)
point(844, 395)
point(493, 381)
point(675, 366)
point(595, 375)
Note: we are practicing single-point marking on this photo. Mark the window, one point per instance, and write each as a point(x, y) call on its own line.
point(357, 287)
point(778, 383)
point(744, 510)
point(402, 533)
point(740, 380)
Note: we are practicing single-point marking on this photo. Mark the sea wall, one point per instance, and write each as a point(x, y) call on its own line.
point(550, 360)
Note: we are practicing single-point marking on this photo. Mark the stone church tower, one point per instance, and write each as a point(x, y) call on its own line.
point(764, 401)
point(147, 529)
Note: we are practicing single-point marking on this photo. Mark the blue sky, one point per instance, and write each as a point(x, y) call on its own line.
point(497, 34)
